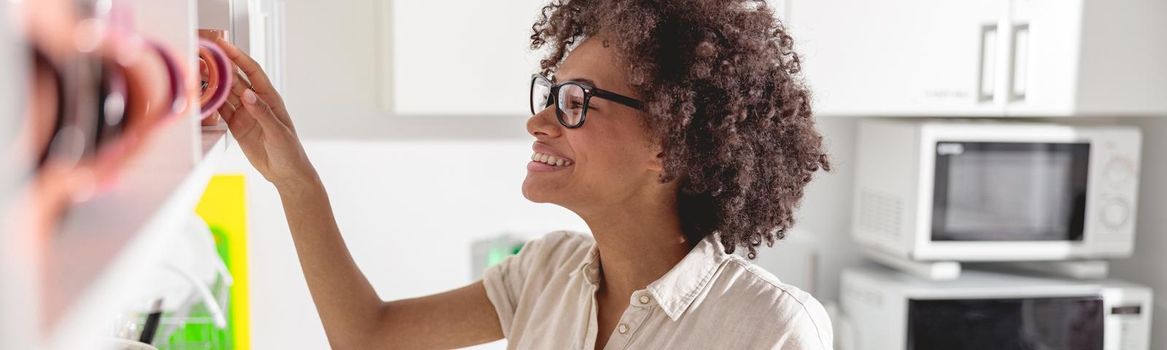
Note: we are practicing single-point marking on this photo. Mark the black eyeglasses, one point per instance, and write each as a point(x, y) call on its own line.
point(571, 99)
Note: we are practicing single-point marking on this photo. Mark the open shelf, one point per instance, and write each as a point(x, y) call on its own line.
point(106, 248)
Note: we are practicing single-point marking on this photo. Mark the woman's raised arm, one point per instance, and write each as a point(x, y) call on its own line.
point(354, 316)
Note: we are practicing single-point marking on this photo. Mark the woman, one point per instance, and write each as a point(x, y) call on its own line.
point(678, 131)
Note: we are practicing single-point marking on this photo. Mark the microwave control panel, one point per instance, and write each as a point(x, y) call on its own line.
point(1115, 184)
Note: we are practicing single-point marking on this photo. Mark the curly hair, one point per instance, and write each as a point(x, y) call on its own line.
point(722, 90)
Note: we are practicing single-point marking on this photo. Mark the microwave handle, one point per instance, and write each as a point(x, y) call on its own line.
point(987, 70)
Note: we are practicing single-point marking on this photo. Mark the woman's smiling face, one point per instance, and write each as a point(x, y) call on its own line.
point(608, 160)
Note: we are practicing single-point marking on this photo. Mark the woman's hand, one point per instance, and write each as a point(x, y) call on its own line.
point(259, 121)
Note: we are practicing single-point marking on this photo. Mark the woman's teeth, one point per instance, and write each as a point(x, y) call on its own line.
point(550, 159)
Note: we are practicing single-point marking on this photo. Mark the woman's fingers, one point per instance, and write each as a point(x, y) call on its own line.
point(261, 112)
point(255, 74)
point(233, 100)
point(253, 91)
point(227, 111)
point(237, 89)
point(237, 121)
point(242, 83)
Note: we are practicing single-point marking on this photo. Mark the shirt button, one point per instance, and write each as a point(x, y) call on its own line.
point(623, 328)
point(644, 299)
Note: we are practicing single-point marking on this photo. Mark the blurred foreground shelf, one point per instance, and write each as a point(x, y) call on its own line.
point(65, 287)
point(106, 248)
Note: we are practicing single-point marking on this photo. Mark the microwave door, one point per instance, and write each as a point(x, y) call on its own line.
point(1002, 191)
point(1074, 323)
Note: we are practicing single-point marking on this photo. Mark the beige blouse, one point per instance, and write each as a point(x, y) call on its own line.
point(711, 300)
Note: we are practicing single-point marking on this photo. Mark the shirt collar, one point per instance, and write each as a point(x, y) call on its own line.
point(588, 266)
point(678, 288)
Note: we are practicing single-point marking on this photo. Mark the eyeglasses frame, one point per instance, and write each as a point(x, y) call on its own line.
point(589, 92)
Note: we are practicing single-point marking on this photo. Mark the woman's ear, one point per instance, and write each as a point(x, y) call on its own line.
point(657, 163)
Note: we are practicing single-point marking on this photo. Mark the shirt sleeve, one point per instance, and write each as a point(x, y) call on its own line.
point(808, 335)
point(507, 281)
point(503, 282)
point(809, 328)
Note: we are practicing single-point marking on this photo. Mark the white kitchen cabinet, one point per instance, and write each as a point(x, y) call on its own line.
point(1088, 57)
point(900, 57)
point(457, 58)
point(990, 58)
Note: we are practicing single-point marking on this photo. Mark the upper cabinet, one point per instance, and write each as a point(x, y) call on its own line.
point(457, 58)
point(983, 57)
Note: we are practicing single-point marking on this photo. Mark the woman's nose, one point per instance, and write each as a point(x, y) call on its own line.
point(544, 124)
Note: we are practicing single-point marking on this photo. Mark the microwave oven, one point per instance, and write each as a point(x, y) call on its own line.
point(887, 310)
point(929, 190)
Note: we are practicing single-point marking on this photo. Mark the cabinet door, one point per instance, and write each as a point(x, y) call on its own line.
point(902, 57)
point(480, 66)
point(1043, 39)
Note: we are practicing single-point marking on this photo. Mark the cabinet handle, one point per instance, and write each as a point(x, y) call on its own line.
point(986, 82)
point(1019, 63)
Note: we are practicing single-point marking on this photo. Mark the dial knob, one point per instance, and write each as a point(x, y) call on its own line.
point(1116, 213)
point(1119, 171)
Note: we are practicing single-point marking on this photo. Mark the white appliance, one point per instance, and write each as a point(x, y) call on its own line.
point(983, 310)
point(931, 190)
